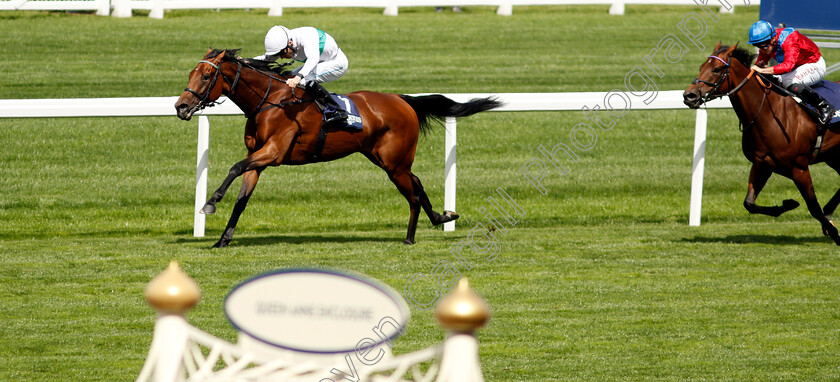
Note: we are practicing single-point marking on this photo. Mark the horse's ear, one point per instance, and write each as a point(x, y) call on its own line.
point(717, 46)
point(731, 49)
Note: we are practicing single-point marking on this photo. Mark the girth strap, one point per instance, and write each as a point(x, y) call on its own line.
point(319, 144)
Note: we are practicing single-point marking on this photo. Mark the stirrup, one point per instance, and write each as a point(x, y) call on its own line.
point(825, 113)
point(334, 117)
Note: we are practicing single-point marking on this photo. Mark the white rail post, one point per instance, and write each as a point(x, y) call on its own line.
point(391, 8)
point(122, 8)
point(505, 8)
point(171, 293)
point(202, 154)
point(156, 11)
point(697, 168)
point(103, 7)
point(450, 171)
point(617, 7)
point(276, 8)
point(462, 312)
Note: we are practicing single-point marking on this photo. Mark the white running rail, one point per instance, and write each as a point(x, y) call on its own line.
point(164, 106)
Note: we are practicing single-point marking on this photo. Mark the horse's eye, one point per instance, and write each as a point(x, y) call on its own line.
point(206, 77)
point(717, 69)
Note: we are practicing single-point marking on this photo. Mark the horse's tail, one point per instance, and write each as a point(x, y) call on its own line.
point(436, 107)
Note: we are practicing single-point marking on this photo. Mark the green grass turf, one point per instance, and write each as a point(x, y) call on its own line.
point(602, 279)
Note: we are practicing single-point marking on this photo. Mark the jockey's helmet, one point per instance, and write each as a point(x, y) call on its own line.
point(761, 31)
point(276, 40)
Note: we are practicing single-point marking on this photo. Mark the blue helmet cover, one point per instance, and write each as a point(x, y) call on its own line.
point(761, 31)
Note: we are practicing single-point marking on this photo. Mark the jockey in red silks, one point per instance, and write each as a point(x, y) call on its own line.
point(799, 63)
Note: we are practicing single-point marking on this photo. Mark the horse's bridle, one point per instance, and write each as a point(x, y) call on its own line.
point(714, 94)
point(203, 100)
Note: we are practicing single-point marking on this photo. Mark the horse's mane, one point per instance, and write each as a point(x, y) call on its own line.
point(265, 66)
point(746, 58)
point(740, 54)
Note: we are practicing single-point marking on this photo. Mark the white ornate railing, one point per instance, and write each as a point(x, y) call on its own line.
point(181, 352)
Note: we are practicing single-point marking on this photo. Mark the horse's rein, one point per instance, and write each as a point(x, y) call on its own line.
point(260, 108)
point(203, 103)
point(766, 90)
point(711, 96)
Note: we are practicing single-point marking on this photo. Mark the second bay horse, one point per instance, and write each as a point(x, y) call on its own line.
point(778, 135)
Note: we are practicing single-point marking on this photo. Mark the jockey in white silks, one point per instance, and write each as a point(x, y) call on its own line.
point(323, 61)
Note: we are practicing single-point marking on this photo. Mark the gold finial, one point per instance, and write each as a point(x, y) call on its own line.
point(462, 310)
point(172, 291)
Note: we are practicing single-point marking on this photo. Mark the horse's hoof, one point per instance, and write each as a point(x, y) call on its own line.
point(790, 204)
point(825, 231)
point(208, 209)
point(408, 242)
point(220, 244)
point(447, 216)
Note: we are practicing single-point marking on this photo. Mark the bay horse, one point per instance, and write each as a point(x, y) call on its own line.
point(779, 136)
point(283, 128)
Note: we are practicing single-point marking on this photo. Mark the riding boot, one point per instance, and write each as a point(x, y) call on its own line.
point(332, 112)
point(824, 109)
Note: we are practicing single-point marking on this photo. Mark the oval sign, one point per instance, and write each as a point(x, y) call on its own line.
point(316, 311)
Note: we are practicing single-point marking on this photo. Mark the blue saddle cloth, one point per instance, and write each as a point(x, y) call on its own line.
point(354, 119)
point(830, 90)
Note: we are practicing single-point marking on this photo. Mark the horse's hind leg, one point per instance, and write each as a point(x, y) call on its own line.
point(802, 179)
point(404, 183)
point(832, 204)
point(249, 182)
point(758, 179)
point(434, 217)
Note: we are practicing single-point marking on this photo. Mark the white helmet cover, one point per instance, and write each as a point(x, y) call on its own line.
point(276, 40)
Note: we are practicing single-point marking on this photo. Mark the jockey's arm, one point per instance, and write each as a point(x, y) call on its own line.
point(760, 65)
point(311, 50)
point(791, 50)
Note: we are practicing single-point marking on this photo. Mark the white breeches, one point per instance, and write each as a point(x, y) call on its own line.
point(326, 71)
point(807, 74)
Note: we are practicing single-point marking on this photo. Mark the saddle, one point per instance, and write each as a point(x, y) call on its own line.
point(353, 121)
point(829, 90)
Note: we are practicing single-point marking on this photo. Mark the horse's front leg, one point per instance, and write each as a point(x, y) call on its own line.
point(270, 154)
point(758, 179)
point(235, 171)
point(249, 182)
point(802, 179)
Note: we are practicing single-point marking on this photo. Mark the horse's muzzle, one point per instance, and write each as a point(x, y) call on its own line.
point(692, 98)
point(184, 110)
